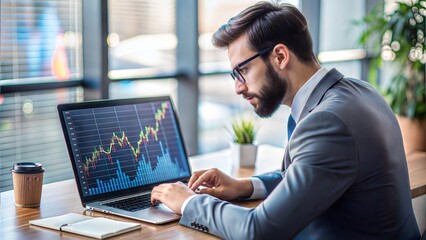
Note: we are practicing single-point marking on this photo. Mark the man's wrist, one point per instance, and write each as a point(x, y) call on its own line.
point(259, 189)
point(182, 208)
point(246, 187)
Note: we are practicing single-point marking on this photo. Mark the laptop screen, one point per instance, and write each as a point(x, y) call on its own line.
point(117, 145)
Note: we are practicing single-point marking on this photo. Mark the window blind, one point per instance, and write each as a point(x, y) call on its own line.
point(30, 132)
point(40, 40)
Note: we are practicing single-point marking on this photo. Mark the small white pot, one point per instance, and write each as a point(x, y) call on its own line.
point(243, 155)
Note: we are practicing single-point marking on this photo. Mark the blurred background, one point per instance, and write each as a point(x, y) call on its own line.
point(62, 51)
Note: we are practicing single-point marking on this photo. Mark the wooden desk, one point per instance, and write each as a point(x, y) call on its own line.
point(417, 171)
point(61, 198)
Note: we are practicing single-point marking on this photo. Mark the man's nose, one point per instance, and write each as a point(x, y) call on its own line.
point(240, 87)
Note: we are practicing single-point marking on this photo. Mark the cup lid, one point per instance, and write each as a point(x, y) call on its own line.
point(27, 167)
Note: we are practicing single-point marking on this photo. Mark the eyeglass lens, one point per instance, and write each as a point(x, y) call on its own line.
point(236, 75)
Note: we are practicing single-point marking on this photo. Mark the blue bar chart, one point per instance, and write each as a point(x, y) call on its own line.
point(144, 174)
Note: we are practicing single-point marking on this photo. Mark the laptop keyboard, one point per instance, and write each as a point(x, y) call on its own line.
point(132, 204)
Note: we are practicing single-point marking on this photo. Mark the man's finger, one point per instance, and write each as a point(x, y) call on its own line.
point(209, 191)
point(155, 196)
point(194, 177)
point(204, 179)
point(207, 185)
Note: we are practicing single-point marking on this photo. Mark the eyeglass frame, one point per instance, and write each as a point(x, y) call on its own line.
point(236, 70)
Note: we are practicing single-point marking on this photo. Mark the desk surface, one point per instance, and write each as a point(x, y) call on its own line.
point(417, 172)
point(62, 197)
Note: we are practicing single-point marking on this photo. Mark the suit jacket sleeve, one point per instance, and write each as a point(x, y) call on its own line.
point(271, 180)
point(324, 165)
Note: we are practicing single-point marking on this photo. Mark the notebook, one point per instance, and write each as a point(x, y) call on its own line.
point(120, 149)
point(99, 227)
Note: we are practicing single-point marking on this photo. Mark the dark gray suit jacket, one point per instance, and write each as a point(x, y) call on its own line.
point(345, 176)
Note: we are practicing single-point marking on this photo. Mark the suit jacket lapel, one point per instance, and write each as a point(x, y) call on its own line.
point(317, 94)
point(286, 161)
point(314, 99)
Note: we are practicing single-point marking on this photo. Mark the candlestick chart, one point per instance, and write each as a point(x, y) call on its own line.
point(126, 146)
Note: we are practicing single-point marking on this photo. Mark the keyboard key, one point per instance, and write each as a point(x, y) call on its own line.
point(132, 204)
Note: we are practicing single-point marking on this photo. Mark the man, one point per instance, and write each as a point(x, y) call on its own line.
point(344, 172)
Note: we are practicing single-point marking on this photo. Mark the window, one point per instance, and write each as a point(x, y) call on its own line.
point(145, 88)
point(40, 42)
point(141, 39)
point(338, 39)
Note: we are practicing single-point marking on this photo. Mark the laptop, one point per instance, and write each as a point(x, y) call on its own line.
point(121, 149)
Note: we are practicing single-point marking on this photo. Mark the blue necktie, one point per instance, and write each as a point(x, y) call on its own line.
point(291, 124)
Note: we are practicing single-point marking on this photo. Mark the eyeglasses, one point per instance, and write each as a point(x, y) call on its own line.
point(236, 74)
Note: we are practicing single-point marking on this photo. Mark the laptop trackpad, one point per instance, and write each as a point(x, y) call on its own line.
point(164, 208)
point(159, 214)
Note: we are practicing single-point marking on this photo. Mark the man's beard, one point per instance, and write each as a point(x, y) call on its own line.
point(271, 94)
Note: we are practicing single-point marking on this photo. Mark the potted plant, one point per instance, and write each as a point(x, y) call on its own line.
point(396, 41)
point(243, 147)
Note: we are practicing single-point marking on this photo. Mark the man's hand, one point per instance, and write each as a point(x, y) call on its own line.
point(220, 185)
point(172, 195)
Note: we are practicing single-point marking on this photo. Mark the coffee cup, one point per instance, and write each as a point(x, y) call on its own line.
point(27, 183)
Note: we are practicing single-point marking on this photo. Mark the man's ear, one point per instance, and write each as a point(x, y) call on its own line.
point(281, 55)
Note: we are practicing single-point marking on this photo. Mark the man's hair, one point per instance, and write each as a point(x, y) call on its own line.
point(266, 25)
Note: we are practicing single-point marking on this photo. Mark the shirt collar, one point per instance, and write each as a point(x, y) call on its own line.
point(304, 92)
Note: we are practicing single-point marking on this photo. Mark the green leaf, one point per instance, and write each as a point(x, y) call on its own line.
point(243, 132)
point(406, 93)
